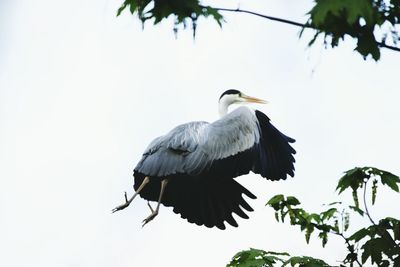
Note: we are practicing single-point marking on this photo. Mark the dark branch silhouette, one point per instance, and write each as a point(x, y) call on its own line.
point(294, 23)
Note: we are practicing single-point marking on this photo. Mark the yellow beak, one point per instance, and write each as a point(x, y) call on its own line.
point(253, 99)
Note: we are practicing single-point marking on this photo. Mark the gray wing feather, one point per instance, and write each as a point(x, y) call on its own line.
point(192, 147)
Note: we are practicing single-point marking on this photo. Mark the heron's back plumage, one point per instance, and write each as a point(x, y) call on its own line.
point(193, 148)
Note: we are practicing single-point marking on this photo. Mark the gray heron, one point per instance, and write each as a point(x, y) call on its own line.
point(192, 167)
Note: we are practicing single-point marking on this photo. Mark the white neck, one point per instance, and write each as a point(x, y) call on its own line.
point(224, 103)
point(223, 108)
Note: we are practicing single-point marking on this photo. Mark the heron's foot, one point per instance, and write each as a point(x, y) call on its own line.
point(122, 206)
point(150, 218)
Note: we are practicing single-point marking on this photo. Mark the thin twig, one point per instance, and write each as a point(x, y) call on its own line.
point(382, 44)
point(349, 247)
point(365, 204)
point(265, 16)
point(294, 23)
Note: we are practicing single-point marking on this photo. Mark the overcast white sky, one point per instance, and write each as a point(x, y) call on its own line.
point(82, 93)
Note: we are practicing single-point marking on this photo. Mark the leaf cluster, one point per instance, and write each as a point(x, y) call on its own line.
point(182, 11)
point(382, 244)
point(378, 242)
point(335, 19)
point(358, 178)
point(308, 222)
point(260, 258)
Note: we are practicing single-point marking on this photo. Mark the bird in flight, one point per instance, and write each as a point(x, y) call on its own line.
point(192, 168)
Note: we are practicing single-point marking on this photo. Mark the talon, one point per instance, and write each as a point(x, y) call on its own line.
point(150, 218)
point(128, 201)
point(120, 207)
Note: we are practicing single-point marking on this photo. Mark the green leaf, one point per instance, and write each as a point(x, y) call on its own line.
point(374, 189)
point(358, 210)
point(209, 11)
point(256, 258)
point(396, 231)
point(324, 237)
point(278, 253)
point(384, 263)
point(360, 234)
point(275, 199)
point(350, 258)
point(391, 180)
point(305, 261)
point(292, 201)
point(387, 178)
point(373, 249)
point(124, 5)
point(350, 10)
point(336, 226)
point(326, 215)
point(315, 217)
point(367, 45)
point(353, 178)
point(346, 218)
point(133, 6)
point(309, 230)
point(275, 202)
point(355, 198)
point(333, 203)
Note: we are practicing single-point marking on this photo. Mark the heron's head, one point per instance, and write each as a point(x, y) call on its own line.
point(233, 96)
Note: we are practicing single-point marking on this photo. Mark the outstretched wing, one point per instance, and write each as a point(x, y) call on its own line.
point(245, 140)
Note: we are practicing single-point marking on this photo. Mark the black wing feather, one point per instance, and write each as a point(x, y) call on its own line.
point(276, 159)
point(208, 202)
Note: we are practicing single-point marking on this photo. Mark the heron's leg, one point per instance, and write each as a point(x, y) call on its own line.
point(151, 208)
point(127, 202)
point(154, 213)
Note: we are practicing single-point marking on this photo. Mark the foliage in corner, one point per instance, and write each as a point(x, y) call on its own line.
point(377, 244)
point(372, 23)
point(182, 11)
point(358, 19)
point(256, 257)
point(260, 258)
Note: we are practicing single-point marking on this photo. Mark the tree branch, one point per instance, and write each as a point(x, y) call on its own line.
point(350, 248)
point(382, 44)
point(298, 24)
point(294, 23)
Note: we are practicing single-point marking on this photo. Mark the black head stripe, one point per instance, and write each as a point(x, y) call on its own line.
point(230, 92)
